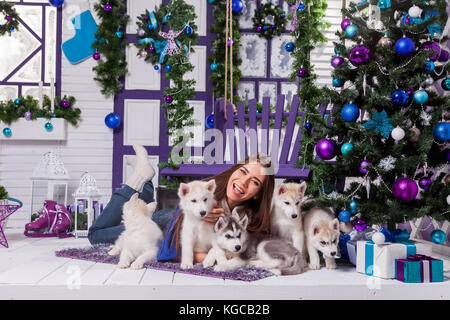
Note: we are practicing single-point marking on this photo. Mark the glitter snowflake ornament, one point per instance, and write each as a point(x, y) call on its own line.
point(387, 163)
point(425, 118)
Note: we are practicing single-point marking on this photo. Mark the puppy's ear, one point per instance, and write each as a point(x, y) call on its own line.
point(151, 207)
point(183, 190)
point(220, 224)
point(211, 185)
point(235, 214)
point(282, 189)
point(335, 224)
point(134, 197)
point(244, 222)
point(302, 188)
point(316, 230)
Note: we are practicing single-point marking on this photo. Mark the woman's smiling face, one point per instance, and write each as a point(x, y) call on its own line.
point(245, 183)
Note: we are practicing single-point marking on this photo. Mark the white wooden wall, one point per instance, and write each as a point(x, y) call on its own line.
point(88, 146)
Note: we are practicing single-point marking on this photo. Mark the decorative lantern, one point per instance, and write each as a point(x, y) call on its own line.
point(51, 172)
point(87, 202)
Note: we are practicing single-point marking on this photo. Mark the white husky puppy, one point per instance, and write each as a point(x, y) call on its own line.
point(140, 241)
point(196, 201)
point(322, 234)
point(286, 214)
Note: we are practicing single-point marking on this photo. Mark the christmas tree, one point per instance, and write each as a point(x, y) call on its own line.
point(389, 125)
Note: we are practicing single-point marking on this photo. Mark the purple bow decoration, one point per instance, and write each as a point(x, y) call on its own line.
point(419, 257)
point(294, 22)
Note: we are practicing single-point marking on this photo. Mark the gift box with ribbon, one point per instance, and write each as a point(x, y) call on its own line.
point(347, 243)
point(379, 259)
point(419, 268)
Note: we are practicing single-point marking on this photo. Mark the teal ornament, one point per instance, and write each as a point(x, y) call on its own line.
point(7, 132)
point(337, 51)
point(48, 126)
point(211, 1)
point(338, 82)
point(420, 96)
point(384, 4)
point(210, 121)
point(351, 31)
point(429, 66)
point(214, 66)
point(119, 34)
point(350, 112)
point(353, 206)
point(188, 30)
point(346, 147)
point(438, 236)
point(344, 216)
point(380, 123)
point(168, 67)
point(17, 101)
point(445, 84)
point(289, 47)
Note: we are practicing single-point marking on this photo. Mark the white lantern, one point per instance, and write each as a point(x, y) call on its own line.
point(87, 201)
point(50, 171)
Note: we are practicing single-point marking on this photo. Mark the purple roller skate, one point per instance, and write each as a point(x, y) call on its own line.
point(45, 221)
point(63, 222)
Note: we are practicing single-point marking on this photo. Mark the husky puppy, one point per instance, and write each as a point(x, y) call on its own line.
point(322, 234)
point(286, 216)
point(232, 246)
point(279, 256)
point(196, 201)
point(140, 241)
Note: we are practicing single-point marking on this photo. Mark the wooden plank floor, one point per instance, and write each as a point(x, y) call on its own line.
point(29, 269)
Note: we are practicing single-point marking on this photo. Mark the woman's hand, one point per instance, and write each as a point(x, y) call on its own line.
point(214, 215)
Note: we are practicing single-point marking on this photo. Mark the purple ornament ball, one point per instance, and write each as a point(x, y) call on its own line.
point(345, 23)
point(359, 55)
point(96, 56)
point(151, 48)
point(107, 7)
point(168, 99)
point(425, 183)
point(141, 32)
point(8, 18)
point(444, 56)
point(337, 61)
point(405, 189)
point(65, 104)
point(364, 165)
point(301, 73)
point(258, 28)
point(428, 46)
point(326, 149)
point(27, 115)
point(360, 225)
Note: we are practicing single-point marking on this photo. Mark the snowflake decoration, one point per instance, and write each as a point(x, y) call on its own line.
point(387, 163)
point(380, 123)
point(335, 195)
point(425, 118)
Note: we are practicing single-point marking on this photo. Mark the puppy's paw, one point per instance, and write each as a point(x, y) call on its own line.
point(123, 265)
point(185, 266)
point(208, 262)
point(276, 272)
point(136, 265)
point(314, 266)
point(222, 267)
point(331, 265)
point(114, 251)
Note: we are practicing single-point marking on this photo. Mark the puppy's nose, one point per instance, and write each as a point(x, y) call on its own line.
point(202, 213)
point(238, 247)
point(333, 253)
point(294, 216)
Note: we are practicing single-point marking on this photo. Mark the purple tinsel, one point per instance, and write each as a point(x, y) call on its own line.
point(99, 253)
point(359, 55)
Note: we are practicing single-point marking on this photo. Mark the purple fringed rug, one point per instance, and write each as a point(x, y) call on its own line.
point(99, 253)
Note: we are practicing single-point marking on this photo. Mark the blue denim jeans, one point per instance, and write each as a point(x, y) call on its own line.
point(107, 228)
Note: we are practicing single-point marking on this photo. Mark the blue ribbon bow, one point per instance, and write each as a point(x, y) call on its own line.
point(396, 236)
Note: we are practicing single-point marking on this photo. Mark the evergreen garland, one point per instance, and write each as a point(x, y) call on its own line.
point(111, 43)
point(10, 16)
point(217, 57)
point(385, 72)
point(10, 111)
point(3, 193)
point(269, 28)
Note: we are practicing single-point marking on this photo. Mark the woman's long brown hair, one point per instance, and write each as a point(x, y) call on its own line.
point(258, 209)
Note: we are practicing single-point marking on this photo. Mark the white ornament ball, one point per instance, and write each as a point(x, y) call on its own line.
point(398, 133)
point(448, 199)
point(415, 12)
point(378, 238)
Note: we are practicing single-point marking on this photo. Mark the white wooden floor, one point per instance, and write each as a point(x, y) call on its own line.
point(30, 270)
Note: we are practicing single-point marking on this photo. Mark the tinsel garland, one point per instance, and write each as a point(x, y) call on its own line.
point(10, 111)
point(10, 16)
point(217, 78)
point(165, 39)
point(269, 20)
point(111, 43)
point(369, 86)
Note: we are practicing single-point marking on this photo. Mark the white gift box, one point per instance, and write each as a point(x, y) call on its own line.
point(379, 259)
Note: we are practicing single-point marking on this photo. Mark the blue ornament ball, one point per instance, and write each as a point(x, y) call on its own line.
point(351, 31)
point(420, 96)
point(346, 147)
point(112, 120)
point(338, 82)
point(237, 6)
point(56, 3)
point(399, 98)
point(429, 66)
point(384, 4)
point(438, 236)
point(289, 46)
point(308, 125)
point(441, 132)
point(404, 46)
point(17, 101)
point(353, 206)
point(48, 126)
point(168, 67)
point(7, 132)
point(156, 68)
point(214, 66)
point(445, 84)
point(350, 112)
point(210, 121)
point(301, 7)
point(188, 30)
point(344, 216)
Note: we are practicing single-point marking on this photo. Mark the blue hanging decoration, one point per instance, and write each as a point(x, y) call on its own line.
point(289, 47)
point(48, 126)
point(112, 120)
point(56, 3)
point(7, 132)
point(210, 121)
point(188, 30)
point(119, 34)
point(384, 4)
point(17, 101)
